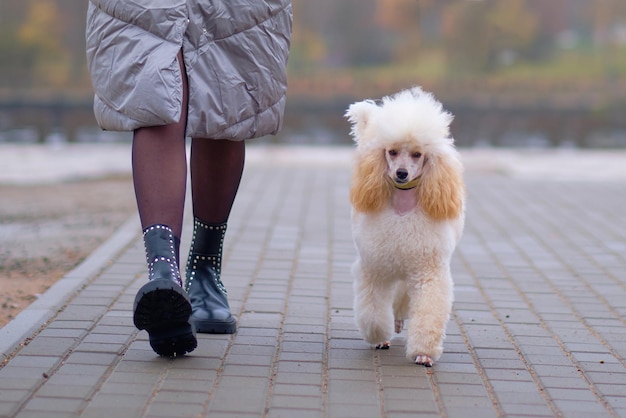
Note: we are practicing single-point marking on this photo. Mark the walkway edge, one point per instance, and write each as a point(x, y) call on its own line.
point(31, 319)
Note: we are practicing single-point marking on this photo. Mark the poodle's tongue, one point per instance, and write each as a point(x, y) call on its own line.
point(403, 201)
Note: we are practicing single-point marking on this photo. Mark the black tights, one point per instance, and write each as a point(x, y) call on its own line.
point(160, 173)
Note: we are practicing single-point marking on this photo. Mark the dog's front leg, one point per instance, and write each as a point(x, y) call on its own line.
point(373, 307)
point(431, 303)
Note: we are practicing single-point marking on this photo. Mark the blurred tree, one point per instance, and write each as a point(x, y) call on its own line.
point(13, 61)
point(483, 35)
point(309, 49)
point(513, 26)
point(608, 18)
point(39, 37)
point(353, 37)
point(402, 19)
point(337, 34)
point(465, 38)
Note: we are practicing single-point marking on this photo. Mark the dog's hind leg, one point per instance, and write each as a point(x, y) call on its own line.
point(398, 325)
point(373, 308)
point(401, 303)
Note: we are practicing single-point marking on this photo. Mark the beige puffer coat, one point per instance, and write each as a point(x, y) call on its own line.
point(235, 54)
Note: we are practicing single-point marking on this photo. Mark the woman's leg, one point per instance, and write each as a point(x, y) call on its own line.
point(216, 169)
point(159, 162)
point(160, 170)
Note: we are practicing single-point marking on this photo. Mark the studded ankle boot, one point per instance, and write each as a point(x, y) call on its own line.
point(161, 306)
point(209, 303)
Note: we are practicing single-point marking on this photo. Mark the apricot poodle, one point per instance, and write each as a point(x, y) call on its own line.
point(408, 199)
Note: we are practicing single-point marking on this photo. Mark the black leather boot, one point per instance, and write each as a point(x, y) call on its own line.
point(209, 303)
point(161, 306)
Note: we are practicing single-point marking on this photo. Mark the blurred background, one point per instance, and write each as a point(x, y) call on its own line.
point(516, 73)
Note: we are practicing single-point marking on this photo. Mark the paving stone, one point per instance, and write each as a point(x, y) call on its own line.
point(53, 405)
point(13, 396)
point(20, 383)
point(86, 358)
point(63, 332)
point(57, 389)
point(247, 371)
point(169, 409)
point(301, 357)
point(110, 405)
point(299, 378)
point(33, 361)
point(347, 410)
point(110, 348)
point(71, 324)
point(612, 389)
point(353, 392)
point(195, 363)
point(463, 411)
point(22, 372)
point(296, 403)
point(43, 414)
point(228, 396)
point(8, 409)
point(180, 397)
point(574, 407)
point(189, 383)
point(477, 390)
point(48, 346)
point(297, 390)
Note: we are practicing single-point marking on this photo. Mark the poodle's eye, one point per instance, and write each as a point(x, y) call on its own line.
point(393, 152)
point(417, 155)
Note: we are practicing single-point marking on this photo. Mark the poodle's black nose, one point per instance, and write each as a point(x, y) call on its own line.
point(402, 174)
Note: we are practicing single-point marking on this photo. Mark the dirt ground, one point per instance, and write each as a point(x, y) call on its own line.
point(46, 230)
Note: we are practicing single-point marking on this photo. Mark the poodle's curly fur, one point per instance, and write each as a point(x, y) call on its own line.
point(408, 199)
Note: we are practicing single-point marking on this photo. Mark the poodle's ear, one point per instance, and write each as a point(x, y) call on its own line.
point(370, 192)
point(359, 114)
point(441, 192)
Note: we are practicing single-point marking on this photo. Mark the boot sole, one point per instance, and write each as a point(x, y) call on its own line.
point(162, 308)
point(215, 327)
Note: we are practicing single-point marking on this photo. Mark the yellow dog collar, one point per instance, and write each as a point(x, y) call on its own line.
point(405, 186)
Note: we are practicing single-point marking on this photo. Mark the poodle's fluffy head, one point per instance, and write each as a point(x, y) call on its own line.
point(412, 117)
point(404, 142)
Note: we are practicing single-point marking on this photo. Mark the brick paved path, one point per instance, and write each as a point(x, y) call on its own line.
point(538, 327)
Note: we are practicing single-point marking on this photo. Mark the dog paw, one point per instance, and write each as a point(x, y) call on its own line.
point(424, 361)
point(399, 324)
point(383, 346)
